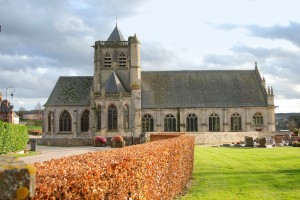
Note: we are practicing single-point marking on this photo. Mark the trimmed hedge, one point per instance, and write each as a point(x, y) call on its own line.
point(12, 137)
point(155, 170)
point(164, 135)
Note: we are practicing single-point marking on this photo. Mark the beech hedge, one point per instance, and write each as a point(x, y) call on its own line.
point(13, 137)
point(155, 170)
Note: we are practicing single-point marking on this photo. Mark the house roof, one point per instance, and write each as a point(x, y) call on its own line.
point(190, 89)
point(116, 35)
point(71, 90)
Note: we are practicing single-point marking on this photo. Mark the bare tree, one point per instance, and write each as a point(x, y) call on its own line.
point(38, 106)
point(21, 111)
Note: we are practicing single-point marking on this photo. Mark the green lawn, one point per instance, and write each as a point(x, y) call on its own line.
point(245, 173)
point(32, 127)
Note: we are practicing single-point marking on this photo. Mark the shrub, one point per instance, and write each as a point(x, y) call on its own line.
point(100, 139)
point(155, 170)
point(295, 131)
point(117, 138)
point(295, 143)
point(12, 137)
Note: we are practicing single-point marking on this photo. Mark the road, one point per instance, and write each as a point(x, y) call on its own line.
point(50, 152)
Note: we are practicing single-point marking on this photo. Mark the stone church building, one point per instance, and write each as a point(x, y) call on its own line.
point(122, 99)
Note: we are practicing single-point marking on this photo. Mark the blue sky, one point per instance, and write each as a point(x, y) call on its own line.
point(41, 40)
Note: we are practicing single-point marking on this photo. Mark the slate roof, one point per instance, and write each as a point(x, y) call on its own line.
point(116, 35)
point(71, 90)
point(174, 89)
point(191, 89)
point(113, 84)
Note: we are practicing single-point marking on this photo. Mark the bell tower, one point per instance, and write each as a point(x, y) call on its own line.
point(117, 82)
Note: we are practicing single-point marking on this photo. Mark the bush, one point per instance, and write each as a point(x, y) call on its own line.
point(155, 170)
point(295, 143)
point(12, 137)
point(100, 139)
point(117, 138)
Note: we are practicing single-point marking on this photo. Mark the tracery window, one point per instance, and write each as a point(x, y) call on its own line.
point(147, 123)
point(170, 123)
point(112, 118)
point(122, 60)
point(214, 122)
point(98, 115)
point(236, 122)
point(126, 117)
point(49, 121)
point(258, 119)
point(107, 60)
point(65, 121)
point(85, 120)
point(192, 122)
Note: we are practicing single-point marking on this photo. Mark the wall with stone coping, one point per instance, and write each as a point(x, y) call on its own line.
point(65, 141)
point(17, 179)
point(213, 138)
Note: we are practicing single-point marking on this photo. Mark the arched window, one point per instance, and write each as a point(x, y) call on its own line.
point(236, 122)
point(85, 120)
point(147, 123)
point(65, 121)
point(122, 60)
point(126, 117)
point(49, 121)
point(107, 60)
point(112, 118)
point(192, 122)
point(98, 115)
point(170, 123)
point(214, 122)
point(258, 119)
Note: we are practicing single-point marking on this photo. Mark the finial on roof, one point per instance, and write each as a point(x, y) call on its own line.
point(116, 19)
point(272, 91)
point(255, 65)
point(264, 80)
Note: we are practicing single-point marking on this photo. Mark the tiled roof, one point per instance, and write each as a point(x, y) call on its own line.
point(191, 89)
point(116, 35)
point(113, 84)
point(72, 90)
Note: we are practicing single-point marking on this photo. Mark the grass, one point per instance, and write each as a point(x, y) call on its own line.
point(28, 153)
point(32, 127)
point(245, 173)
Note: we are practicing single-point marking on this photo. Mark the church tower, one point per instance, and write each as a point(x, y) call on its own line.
point(116, 90)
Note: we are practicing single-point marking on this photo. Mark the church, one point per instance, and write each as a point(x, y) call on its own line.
point(121, 99)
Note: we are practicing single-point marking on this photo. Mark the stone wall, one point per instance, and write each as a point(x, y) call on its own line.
point(214, 138)
point(65, 141)
point(17, 179)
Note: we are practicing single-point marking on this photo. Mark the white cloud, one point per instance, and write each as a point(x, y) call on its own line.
point(42, 40)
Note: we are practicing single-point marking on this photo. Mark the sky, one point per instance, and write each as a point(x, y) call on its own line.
point(41, 40)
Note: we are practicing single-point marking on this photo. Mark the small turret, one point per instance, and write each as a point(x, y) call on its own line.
point(270, 97)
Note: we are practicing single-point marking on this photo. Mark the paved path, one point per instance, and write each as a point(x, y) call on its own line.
point(50, 152)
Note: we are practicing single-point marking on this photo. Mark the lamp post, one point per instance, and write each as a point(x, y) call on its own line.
point(11, 89)
point(10, 107)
